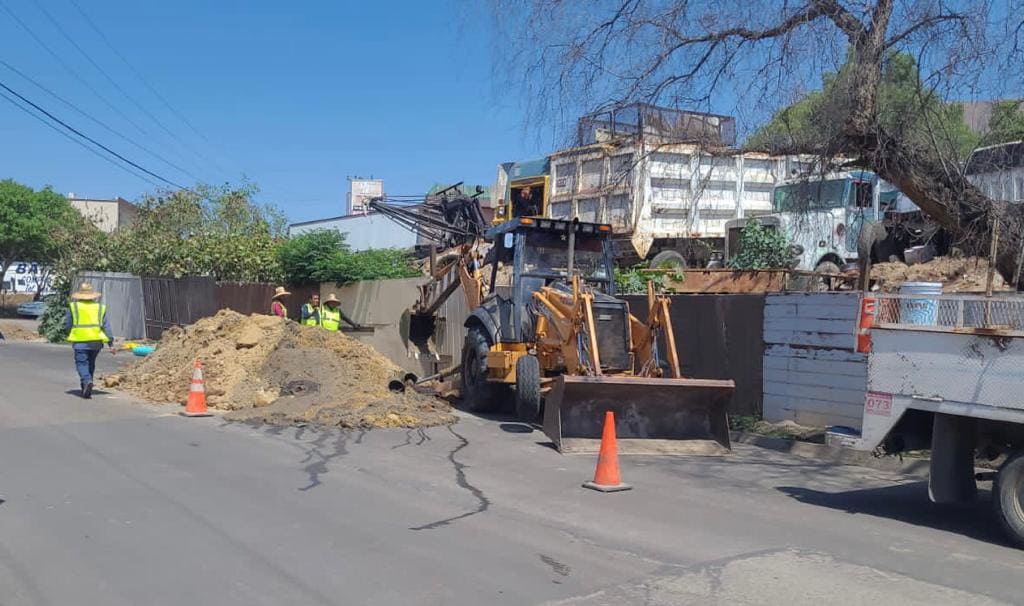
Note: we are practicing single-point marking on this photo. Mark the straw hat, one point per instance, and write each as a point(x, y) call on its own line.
point(280, 292)
point(332, 299)
point(85, 292)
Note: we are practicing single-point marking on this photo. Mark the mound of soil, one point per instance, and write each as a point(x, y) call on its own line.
point(957, 274)
point(266, 369)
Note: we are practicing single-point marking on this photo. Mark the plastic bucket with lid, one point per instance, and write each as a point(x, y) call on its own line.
point(924, 311)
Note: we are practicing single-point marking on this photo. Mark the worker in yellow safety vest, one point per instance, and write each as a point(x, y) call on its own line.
point(331, 315)
point(311, 311)
point(88, 330)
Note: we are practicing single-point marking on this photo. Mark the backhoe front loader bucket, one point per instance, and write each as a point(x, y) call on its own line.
point(652, 416)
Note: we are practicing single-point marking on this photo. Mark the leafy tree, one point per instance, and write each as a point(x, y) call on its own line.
point(30, 221)
point(916, 115)
point(1006, 123)
point(307, 258)
point(207, 231)
point(374, 264)
point(761, 247)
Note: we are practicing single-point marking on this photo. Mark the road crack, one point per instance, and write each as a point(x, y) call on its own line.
point(483, 503)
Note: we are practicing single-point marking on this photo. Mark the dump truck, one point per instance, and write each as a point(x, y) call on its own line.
point(666, 180)
point(944, 374)
point(546, 334)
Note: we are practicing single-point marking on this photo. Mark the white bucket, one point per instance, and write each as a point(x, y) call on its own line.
point(920, 311)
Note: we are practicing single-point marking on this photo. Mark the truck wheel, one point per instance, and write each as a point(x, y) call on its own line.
point(824, 283)
point(668, 259)
point(1008, 497)
point(478, 393)
point(528, 389)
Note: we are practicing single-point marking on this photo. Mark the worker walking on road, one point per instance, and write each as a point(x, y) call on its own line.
point(88, 330)
point(277, 308)
point(311, 311)
point(331, 314)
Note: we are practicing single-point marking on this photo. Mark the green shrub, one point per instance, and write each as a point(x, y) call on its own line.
point(761, 247)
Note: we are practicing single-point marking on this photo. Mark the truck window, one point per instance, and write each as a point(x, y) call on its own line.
point(811, 195)
point(861, 192)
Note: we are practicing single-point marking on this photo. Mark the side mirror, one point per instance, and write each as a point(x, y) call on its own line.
point(479, 189)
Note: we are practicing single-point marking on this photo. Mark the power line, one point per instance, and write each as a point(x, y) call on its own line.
point(138, 74)
point(91, 150)
point(90, 139)
point(102, 124)
point(53, 21)
point(69, 69)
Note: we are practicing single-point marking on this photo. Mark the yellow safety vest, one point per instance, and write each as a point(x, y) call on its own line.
point(330, 318)
point(309, 320)
point(87, 322)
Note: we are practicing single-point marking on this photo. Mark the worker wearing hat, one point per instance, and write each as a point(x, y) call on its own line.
point(88, 329)
point(277, 308)
point(331, 314)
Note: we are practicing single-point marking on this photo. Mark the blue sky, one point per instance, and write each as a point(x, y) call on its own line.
point(294, 96)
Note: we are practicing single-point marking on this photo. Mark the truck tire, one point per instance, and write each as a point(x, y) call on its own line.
point(478, 393)
point(1008, 497)
point(528, 389)
point(822, 283)
point(668, 259)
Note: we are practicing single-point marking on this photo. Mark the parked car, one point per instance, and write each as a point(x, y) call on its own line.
point(33, 309)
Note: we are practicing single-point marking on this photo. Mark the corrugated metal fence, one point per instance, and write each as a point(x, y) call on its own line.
point(812, 375)
point(122, 294)
point(718, 337)
point(176, 302)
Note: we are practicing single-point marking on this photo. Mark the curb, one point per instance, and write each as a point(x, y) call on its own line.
point(836, 455)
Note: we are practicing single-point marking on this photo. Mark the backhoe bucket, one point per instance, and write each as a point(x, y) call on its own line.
point(652, 416)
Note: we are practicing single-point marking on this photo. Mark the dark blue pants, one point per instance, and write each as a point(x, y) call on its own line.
point(85, 364)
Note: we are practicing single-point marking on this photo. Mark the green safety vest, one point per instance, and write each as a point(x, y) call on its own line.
point(330, 318)
point(87, 322)
point(309, 320)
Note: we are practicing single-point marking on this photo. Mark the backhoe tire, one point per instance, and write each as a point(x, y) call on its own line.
point(478, 394)
point(528, 389)
point(1008, 498)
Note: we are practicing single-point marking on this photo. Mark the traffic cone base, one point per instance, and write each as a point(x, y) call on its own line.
point(196, 404)
point(602, 488)
point(606, 476)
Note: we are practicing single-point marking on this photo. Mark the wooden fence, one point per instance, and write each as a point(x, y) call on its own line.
point(812, 373)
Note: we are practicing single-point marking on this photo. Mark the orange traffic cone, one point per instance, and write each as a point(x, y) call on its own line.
point(606, 476)
point(196, 406)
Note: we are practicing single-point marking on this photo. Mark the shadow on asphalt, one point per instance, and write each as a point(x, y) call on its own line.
point(909, 503)
point(516, 428)
point(78, 392)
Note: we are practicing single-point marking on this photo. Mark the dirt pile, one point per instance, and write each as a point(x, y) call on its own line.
point(266, 369)
point(13, 332)
point(957, 274)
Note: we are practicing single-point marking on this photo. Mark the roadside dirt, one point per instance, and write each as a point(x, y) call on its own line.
point(14, 332)
point(957, 274)
point(264, 369)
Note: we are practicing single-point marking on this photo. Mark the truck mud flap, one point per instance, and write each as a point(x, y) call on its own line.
point(652, 416)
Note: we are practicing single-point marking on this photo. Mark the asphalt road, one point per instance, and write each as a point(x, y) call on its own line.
point(112, 501)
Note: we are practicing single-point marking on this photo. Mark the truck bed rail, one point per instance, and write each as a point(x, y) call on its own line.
point(1001, 314)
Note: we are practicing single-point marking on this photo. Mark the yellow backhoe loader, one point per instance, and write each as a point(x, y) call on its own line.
point(547, 330)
